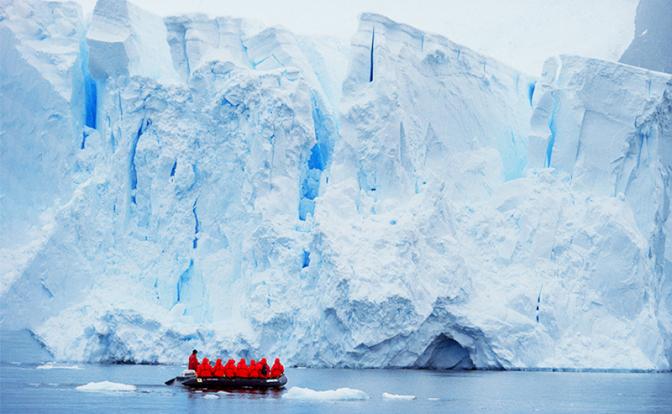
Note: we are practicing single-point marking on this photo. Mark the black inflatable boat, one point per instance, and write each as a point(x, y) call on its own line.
point(189, 379)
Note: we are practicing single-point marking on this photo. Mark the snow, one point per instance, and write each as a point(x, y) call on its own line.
point(53, 365)
point(400, 397)
point(105, 386)
point(403, 201)
point(340, 394)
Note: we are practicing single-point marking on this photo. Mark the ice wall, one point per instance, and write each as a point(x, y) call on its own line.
point(40, 126)
point(243, 190)
point(581, 100)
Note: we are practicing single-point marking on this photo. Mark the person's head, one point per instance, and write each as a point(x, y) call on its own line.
point(277, 361)
point(252, 362)
point(262, 360)
point(219, 361)
point(194, 352)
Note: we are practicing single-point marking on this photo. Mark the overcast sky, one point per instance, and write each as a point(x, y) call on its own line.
point(522, 33)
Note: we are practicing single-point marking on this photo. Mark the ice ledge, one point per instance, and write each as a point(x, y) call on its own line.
point(421, 40)
point(391, 24)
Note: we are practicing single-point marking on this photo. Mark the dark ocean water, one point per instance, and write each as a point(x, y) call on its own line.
point(24, 388)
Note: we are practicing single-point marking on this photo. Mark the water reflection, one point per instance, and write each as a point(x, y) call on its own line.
point(238, 393)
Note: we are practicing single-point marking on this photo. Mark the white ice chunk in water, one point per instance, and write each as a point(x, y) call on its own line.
point(106, 386)
point(390, 396)
point(52, 365)
point(340, 394)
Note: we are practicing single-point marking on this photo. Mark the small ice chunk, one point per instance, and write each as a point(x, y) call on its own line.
point(211, 397)
point(52, 365)
point(340, 394)
point(390, 396)
point(433, 399)
point(105, 386)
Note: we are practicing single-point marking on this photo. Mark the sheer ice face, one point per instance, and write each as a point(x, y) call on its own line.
point(242, 190)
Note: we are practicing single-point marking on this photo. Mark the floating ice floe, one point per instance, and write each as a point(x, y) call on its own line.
point(340, 394)
point(106, 386)
point(51, 365)
point(390, 396)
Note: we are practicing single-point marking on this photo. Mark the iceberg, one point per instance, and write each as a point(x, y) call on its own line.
point(404, 201)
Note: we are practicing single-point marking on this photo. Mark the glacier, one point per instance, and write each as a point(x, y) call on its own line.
point(401, 201)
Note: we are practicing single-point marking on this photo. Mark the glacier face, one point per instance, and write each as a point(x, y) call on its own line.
point(404, 201)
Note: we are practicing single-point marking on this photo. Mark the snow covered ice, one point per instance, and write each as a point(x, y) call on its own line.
point(51, 365)
point(106, 386)
point(195, 182)
point(401, 397)
point(340, 394)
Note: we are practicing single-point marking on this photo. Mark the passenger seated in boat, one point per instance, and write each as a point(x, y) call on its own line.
point(230, 369)
point(253, 369)
point(193, 360)
point(277, 369)
point(204, 370)
point(218, 370)
point(263, 368)
point(241, 370)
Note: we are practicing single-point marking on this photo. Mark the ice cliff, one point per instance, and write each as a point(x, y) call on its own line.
point(195, 182)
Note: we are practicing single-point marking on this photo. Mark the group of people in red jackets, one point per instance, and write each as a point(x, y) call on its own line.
point(256, 369)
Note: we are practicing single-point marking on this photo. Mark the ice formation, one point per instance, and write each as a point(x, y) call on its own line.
point(51, 365)
point(207, 183)
point(401, 397)
point(340, 394)
point(105, 386)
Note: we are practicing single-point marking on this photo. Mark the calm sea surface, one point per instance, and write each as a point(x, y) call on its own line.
point(26, 389)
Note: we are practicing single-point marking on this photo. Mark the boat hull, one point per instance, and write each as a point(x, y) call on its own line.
point(223, 383)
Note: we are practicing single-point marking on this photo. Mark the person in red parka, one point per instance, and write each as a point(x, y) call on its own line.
point(277, 369)
point(253, 369)
point(263, 368)
point(204, 370)
point(230, 369)
point(241, 370)
point(218, 370)
point(193, 360)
